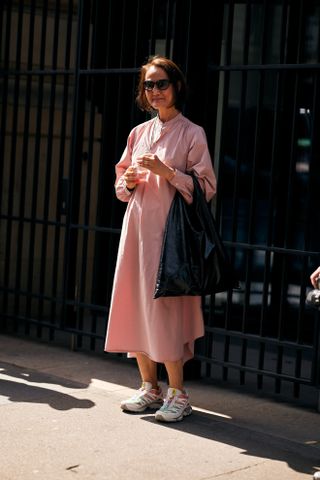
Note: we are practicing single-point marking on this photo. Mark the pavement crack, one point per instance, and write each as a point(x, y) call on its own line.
point(72, 467)
point(230, 472)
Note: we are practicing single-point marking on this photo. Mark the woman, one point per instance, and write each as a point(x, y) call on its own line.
point(158, 154)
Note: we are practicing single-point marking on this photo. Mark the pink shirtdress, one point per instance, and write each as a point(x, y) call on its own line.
point(163, 329)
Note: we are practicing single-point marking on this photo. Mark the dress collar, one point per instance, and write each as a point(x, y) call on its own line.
point(170, 122)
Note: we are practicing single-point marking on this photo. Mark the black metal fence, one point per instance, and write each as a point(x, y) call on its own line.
point(68, 80)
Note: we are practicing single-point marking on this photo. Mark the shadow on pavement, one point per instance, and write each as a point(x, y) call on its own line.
point(251, 442)
point(18, 385)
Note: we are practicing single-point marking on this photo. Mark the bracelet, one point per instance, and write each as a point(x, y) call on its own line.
point(129, 190)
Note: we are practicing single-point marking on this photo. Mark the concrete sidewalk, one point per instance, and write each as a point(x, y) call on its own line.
point(60, 419)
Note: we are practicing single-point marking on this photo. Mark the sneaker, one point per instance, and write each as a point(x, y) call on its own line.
point(316, 476)
point(146, 397)
point(176, 406)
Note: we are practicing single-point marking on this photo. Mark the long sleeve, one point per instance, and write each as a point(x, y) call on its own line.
point(198, 162)
point(125, 161)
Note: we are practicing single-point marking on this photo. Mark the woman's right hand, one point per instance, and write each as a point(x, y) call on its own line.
point(314, 277)
point(131, 177)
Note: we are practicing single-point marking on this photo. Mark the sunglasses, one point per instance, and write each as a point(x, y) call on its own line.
point(160, 84)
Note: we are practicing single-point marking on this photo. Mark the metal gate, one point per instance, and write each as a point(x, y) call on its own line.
point(68, 79)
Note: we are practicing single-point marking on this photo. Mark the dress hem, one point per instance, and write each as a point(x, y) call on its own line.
point(188, 347)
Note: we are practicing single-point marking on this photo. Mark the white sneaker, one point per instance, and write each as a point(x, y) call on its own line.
point(176, 406)
point(145, 397)
point(316, 476)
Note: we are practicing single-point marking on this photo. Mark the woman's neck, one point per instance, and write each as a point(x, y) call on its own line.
point(166, 115)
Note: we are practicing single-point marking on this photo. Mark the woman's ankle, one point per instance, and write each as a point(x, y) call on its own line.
point(155, 385)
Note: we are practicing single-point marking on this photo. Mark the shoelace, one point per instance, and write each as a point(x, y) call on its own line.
point(168, 402)
point(142, 391)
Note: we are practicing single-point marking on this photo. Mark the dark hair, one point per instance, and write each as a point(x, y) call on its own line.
point(175, 76)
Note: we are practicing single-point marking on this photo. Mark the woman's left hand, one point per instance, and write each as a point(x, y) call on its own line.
point(314, 277)
point(153, 163)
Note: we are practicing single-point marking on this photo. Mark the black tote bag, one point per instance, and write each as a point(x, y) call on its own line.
point(193, 259)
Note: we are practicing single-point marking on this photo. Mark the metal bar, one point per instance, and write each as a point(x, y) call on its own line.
point(243, 361)
point(261, 365)
point(133, 70)
point(253, 200)
point(265, 22)
point(47, 170)
point(247, 26)
point(291, 166)
point(226, 79)
point(298, 363)
point(169, 26)
point(235, 196)
point(283, 36)
point(36, 164)
point(87, 198)
point(301, 312)
point(64, 114)
point(229, 36)
point(68, 72)
point(4, 107)
point(275, 138)
point(48, 166)
point(226, 86)
point(267, 248)
point(265, 295)
point(31, 321)
point(244, 83)
point(24, 165)
point(57, 300)
point(87, 204)
point(152, 23)
point(282, 272)
point(256, 338)
point(274, 67)
point(238, 158)
point(70, 281)
point(68, 240)
point(240, 245)
point(226, 354)
point(278, 377)
point(301, 24)
point(315, 371)
point(40, 221)
point(2, 23)
point(93, 331)
point(12, 170)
